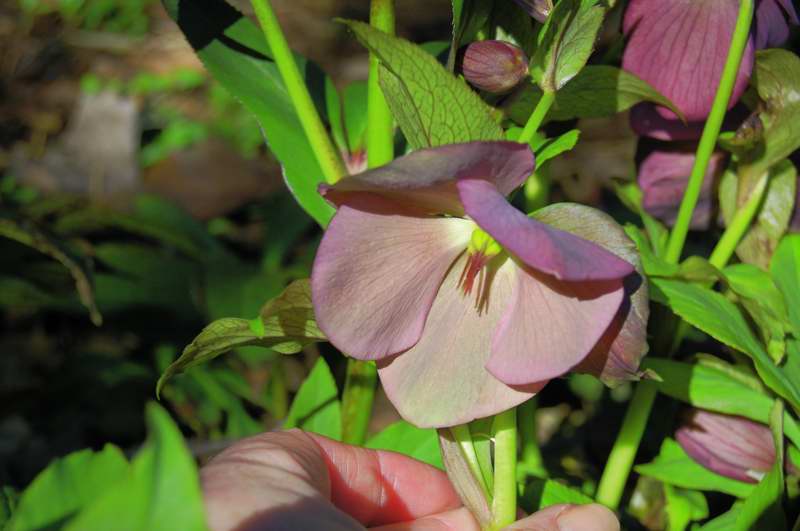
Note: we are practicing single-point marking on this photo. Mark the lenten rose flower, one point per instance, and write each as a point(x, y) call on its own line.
point(680, 47)
point(467, 305)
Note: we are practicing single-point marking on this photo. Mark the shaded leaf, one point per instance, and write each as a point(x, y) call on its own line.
point(316, 406)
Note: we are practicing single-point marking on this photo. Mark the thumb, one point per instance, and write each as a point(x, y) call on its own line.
point(569, 518)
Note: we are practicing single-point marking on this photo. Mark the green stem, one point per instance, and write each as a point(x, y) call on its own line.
point(738, 226)
point(463, 436)
point(711, 131)
point(537, 117)
point(531, 462)
point(279, 395)
point(315, 131)
point(357, 399)
point(380, 126)
point(504, 501)
point(620, 460)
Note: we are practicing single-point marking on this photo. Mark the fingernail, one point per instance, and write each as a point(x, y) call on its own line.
point(584, 517)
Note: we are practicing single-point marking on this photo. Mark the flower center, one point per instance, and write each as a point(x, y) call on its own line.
point(481, 250)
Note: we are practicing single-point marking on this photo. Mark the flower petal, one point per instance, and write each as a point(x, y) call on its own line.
point(616, 356)
point(772, 28)
point(544, 248)
point(426, 178)
point(550, 326)
point(660, 123)
point(441, 381)
point(680, 46)
point(377, 272)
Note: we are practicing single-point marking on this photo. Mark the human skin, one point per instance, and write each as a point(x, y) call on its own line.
point(294, 480)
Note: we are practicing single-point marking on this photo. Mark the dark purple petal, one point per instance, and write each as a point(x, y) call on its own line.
point(538, 9)
point(731, 446)
point(680, 47)
point(494, 66)
point(771, 26)
point(425, 179)
point(660, 123)
point(540, 246)
point(377, 272)
point(663, 177)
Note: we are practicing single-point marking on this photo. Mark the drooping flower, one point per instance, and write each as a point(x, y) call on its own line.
point(538, 9)
point(680, 47)
point(663, 177)
point(468, 305)
point(494, 66)
point(729, 445)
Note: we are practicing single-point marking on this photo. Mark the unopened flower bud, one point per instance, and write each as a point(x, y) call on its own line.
point(494, 66)
point(729, 445)
point(538, 9)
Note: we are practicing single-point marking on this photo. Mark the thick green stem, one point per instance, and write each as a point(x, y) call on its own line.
point(315, 131)
point(738, 226)
point(711, 132)
point(531, 462)
point(504, 501)
point(357, 399)
point(537, 117)
point(620, 461)
point(380, 126)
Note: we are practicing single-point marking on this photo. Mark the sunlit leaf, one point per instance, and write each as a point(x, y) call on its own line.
point(407, 439)
point(316, 406)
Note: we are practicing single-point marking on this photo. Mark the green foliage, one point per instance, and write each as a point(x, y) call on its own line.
point(316, 407)
point(158, 490)
point(674, 467)
point(431, 106)
point(407, 439)
point(117, 16)
point(565, 42)
point(543, 493)
point(233, 50)
point(683, 507)
point(595, 92)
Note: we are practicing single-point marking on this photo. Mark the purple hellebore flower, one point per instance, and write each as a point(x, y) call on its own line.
point(729, 445)
point(538, 9)
point(680, 47)
point(494, 66)
point(467, 305)
point(663, 177)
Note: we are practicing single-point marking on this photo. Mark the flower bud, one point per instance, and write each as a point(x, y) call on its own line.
point(731, 446)
point(538, 9)
point(494, 66)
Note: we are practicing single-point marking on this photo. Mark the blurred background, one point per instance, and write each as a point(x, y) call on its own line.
point(138, 202)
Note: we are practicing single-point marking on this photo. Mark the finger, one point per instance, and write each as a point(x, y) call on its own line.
point(569, 518)
point(456, 520)
point(377, 487)
point(272, 481)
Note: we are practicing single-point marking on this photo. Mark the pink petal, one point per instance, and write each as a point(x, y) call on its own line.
point(680, 47)
point(660, 123)
point(441, 381)
point(377, 272)
point(542, 247)
point(426, 178)
point(551, 326)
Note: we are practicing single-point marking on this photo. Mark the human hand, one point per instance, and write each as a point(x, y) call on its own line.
point(294, 480)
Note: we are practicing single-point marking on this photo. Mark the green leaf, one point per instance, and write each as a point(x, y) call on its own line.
point(718, 317)
point(66, 486)
point(316, 407)
point(724, 522)
point(655, 243)
point(469, 16)
point(233, 50)
point(720, 388)
point(762, 508)
point(597, 91)
point(565, 42)
point(407, 439)
point(674, 467)
point(432, 107)
point(8, 504)
point(286, 324)
point(78, 266)
point(543, 493)
point(548, 148)
point(785, 270)
point(161, 492)
point(683, 507)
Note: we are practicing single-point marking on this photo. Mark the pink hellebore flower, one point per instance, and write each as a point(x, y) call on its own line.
point(680, 47)
point(468, 305)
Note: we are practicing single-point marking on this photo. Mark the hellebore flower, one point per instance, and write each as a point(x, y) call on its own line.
point(663, 177)
point(538, 9)
point(494, 66)
point(467, 305)
point(729, 445)
point(680, 47)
